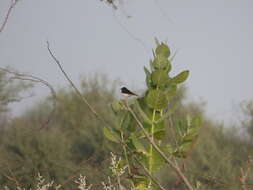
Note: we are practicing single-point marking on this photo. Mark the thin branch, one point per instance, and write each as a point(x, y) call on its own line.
point(168, 161)
point(131, 35)
point(13, 4)
point(75, 88)
point(163, 13)
point(31, 78)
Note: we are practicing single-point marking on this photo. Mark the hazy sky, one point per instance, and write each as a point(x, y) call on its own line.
point(213, 39)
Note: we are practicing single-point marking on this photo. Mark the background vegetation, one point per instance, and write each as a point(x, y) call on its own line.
point(73, 142)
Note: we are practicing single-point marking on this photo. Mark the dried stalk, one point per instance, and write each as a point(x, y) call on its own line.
point(13, 4)
point(75, 88)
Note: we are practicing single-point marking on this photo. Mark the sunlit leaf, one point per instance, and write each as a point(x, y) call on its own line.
point(129, 122)
point(143, 114)
point(181, 77)
point(157, 160)
point(138, 145)
point(159, 78)
point(111, 135)
point(186, 145)
point(161, 62)
point(163, 49)
point(156, 99)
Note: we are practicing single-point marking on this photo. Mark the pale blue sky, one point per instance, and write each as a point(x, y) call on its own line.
point(213, 38)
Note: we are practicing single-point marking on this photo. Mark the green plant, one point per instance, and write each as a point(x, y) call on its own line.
point(141, 125)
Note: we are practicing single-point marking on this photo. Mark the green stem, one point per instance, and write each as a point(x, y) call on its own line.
point(151, 146)
point(161, 113)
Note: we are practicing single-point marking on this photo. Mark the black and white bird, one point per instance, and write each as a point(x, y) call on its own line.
point(126, 92)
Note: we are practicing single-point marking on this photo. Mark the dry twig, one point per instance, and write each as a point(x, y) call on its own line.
point(31, 78)
point(76, 89)
point(13, 4)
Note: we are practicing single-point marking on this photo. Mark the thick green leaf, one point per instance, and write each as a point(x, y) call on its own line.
point(153, 160)
point(161, 62)
point(144, 116)
point(159, 78)
point(156, 99)
point(157, 160)
point(168, 67)
point(141, 186)
point(129, 122)
point(171, 90)
point(186, 145)
point(159, 135)
point(138, 145)
point(181, 77)
point(163, 50)
point(111, 135)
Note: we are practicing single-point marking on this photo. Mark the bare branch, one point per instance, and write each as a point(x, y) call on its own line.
point(13, 4)
point(31, 78)
point(85, 101)
point(131, 35)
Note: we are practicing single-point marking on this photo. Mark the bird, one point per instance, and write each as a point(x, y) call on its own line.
point(126, 92)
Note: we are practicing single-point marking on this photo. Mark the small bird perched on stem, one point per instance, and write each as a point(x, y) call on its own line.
point(126, 92)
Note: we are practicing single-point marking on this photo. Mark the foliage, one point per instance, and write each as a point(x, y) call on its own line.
point(74, 143)
point(152, 110)
point(247, 108)
point(10, 91)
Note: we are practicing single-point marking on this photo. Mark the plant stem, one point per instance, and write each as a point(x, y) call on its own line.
point(151, 146)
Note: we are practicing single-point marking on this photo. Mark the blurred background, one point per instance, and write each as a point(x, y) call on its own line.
point(103, 46)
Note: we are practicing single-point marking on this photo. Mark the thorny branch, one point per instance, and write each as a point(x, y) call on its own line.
point(31, 78)
point(13, 4)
